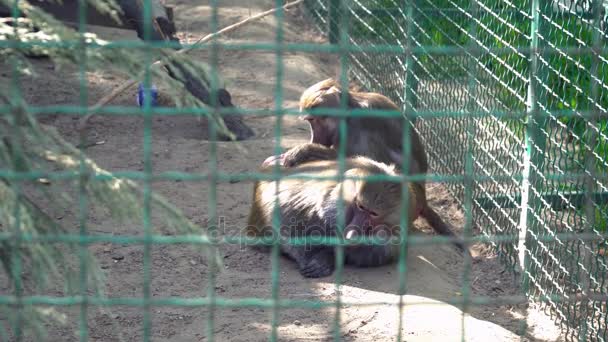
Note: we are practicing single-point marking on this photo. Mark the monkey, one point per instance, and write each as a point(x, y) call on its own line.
point(378, 138)
point(309, 207)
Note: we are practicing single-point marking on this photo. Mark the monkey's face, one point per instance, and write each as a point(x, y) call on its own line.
point(374, 210)
point(324, 130)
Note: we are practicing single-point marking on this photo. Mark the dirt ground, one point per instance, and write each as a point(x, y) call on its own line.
point(433, 273)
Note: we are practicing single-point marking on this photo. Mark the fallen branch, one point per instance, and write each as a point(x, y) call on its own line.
point(123, 87)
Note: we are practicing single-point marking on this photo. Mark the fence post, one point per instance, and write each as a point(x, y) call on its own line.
point(411, 82)
point(469, 167)
point(534, 155)
point(333, 21)
point(587, 330)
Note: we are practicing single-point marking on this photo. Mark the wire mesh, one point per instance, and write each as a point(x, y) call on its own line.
point(509, 97)
point(481, 79)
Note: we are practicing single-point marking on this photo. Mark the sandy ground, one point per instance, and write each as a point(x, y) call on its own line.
point(433, 273)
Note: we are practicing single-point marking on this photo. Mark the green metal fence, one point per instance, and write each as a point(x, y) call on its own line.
point(523, 86)
point(509, 98)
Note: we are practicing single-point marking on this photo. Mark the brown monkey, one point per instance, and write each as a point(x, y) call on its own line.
point(309, 207)
point(375, 137)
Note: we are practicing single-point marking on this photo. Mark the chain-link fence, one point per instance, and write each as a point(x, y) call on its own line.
point(522, 85)
point(509, 99)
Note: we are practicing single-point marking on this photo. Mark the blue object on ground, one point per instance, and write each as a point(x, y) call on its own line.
point(141, 95)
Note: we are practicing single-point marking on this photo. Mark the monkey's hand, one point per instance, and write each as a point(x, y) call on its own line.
point(270, 161)
point(307, 152)
point(317, 263)
point(369, 256)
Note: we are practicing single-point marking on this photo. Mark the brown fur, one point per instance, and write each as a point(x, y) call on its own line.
point(311, 205)
point(378, 138)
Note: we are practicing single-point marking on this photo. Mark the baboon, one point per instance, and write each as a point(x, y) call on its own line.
point(309, 207)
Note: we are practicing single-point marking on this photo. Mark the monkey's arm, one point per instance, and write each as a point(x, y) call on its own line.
point(313, 261)
point(384, 251)
point(308, 152)
point(372, 255)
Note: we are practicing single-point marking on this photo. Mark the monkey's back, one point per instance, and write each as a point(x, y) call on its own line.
point(306, 205)
point(300, 203)
point(379, 134)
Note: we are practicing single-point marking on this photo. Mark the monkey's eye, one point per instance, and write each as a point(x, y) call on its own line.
point(371, 213)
